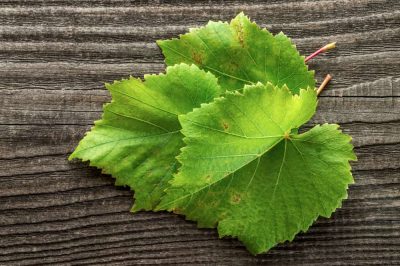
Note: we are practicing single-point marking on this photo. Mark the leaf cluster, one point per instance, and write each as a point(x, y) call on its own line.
point(216, 137)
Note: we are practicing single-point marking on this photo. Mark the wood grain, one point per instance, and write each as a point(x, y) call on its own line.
point(55, 56)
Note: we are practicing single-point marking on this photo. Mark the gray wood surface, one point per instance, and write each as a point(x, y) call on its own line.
point(55, 56)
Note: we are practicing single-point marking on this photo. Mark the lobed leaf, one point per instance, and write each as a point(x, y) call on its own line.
point(240, 53)
point(138, 137)
point(246, 173)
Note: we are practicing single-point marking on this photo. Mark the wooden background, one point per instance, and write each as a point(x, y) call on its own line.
point(55, 56)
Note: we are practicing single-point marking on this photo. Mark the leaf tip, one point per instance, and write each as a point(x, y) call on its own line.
point(72, 156)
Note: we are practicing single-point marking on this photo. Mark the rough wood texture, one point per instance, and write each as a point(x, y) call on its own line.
point(55, 56)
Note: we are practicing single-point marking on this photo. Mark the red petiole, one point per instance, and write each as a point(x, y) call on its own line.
point(311, 56)
point(321, 50)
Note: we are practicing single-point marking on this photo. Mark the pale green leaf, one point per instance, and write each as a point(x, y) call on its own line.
point(138, 137)
point(246, 172)
point(241, 53)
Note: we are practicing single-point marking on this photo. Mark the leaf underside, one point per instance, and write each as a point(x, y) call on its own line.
point(241, 53)
point(138, 137)
point(244, 172)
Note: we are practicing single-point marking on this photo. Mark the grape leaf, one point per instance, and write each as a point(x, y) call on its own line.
point(246, 173)
point(138, 137)
point(240, 53)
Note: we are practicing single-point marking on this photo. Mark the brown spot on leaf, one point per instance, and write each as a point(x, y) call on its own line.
point(235, 198)
point(225, 125)
point(213, 204)
point(197, 58)
point(200, 205)
point(177, 210)
point(233, 66)
point(240, 34)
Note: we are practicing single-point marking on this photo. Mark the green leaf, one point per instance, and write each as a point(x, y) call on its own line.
point(241, 53)
point(138, 137)
point(245, 171)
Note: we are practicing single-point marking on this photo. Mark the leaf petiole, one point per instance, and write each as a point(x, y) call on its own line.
point(321, 50)
point(324, 83)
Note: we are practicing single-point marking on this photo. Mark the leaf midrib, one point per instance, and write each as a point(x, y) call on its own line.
point(150, 105)
point(125, 139)
point(231, 134)
point(208, 67)
point(222, 178)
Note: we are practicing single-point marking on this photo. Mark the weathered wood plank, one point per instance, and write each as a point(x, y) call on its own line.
point(65, 229)
point(32, 140)
point(58, 75)
point(55, 56)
